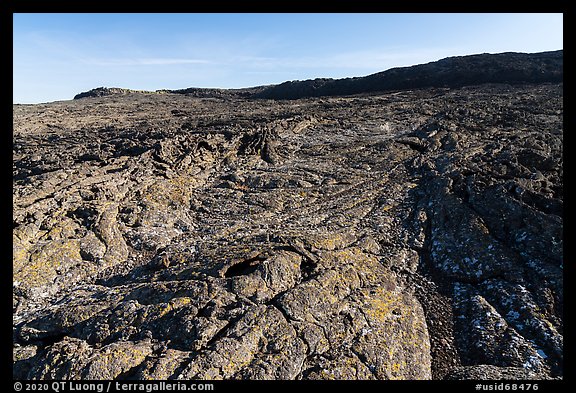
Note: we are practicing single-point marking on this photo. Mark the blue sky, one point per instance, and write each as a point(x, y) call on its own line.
point(59, 55)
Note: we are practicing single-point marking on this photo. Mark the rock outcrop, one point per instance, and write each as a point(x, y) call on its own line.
point(104, 91)
point(405, 235)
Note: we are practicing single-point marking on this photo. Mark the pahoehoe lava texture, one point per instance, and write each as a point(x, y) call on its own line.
point(413, 234)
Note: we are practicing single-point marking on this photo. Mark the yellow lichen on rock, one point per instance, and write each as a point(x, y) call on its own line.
point(330, 241)
point(382, 303)
point(115, 359)
point(46, 263)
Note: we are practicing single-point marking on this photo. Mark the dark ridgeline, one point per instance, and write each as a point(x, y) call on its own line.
point(451, 72)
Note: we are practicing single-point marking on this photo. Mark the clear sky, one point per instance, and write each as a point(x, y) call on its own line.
point(59, 55)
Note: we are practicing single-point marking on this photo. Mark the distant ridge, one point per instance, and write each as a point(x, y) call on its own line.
point(108, 91)
point(457, 71)
point(199, 92)
point(451, 72)
point(248, 92)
